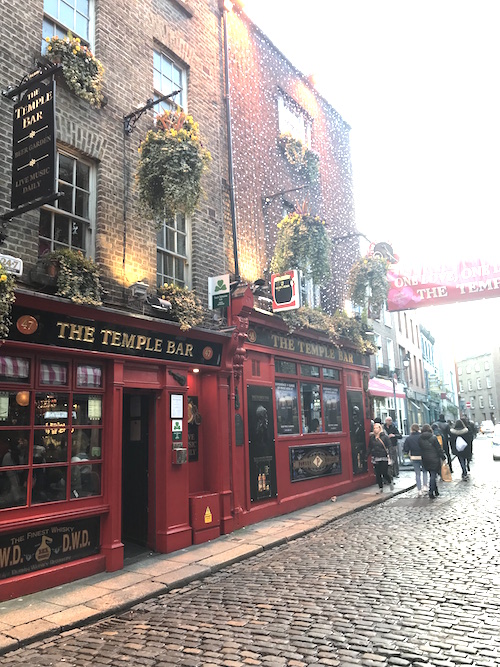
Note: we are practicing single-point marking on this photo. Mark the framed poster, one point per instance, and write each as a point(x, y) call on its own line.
point(176, 406)
point(287, 410)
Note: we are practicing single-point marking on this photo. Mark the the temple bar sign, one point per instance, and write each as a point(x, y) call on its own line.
point(33, 145)
point(468, 280)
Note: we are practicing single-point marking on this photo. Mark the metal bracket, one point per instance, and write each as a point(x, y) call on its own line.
point(131, 119)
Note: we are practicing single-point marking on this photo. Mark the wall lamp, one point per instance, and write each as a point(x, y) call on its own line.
point(139, 290)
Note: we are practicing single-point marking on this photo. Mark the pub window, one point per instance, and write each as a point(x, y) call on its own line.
point(309, 371)
point(331, 406)
point(310, 399)
point(168, 76)
point(286, 367)
point(70, 221)
point(51, 437)
point(61, 16)
point(14, 369)
point(287, 410)
point(256, 367)
point(172, 251)
point(331, 373)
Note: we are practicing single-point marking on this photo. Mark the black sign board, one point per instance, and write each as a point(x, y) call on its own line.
point(315, 461)
point(357, 432)
point(38, 548)
point(261, 442)
point(44, 328)
point(34, 146)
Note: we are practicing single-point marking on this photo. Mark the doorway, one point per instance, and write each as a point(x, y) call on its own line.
point(137, 458)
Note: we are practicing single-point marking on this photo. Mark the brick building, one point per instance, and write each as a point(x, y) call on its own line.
point(116, 427)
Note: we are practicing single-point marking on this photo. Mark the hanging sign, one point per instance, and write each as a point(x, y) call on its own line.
point(34, 146)
point(285, 290)
point(467, 280)
point(218, 291)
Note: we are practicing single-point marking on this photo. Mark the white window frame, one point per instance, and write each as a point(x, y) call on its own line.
point(488, 383)
point(490, 400)
point(479, 383)
point(161, 61)
point(61, 29)
point(481, 402)
point(379, 356)
point(88, 248)
point(294, 120)
point(165, 251)
point(469, 385)
point(391, 359)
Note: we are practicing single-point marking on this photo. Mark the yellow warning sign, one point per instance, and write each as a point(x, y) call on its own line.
point(208, 515)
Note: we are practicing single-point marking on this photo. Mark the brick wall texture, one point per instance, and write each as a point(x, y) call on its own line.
point(126, 33)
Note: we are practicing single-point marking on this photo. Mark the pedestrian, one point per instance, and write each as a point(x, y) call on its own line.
point(394, 435)
point(458, 433)
point(432, 457)
point(445, 432)
point(471, 427)
point(378, 449)
point(412, 448)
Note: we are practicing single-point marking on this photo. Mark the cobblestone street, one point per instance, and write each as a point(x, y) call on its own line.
point(411, 581)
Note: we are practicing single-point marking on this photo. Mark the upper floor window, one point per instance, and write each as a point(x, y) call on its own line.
point(469, 385)
point(479, 384)
point(459, 370)
point(468, 368)
point(69, 222)
point(172, 251)
point(481, 402)
point(486, 365)
point(477, 367)
point(293, 120)
point(460, 387)
point(488, 382)
point(168, 77)
point(390, 355)
point(61, 16)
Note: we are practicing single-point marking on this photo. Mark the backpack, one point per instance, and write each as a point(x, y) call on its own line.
point(439, 438)
point(460, 444)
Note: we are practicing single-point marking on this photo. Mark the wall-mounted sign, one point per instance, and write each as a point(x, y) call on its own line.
point(46, 328)
point(218, 291)
point(315, 461)
point(176, 406)
point(34, 145)
point(176, 430)
point(46, 546)
point(285, 291)
point(12, 265)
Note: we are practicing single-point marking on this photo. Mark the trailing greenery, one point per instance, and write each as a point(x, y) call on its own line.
point(186, 307)
point(336, 327)
point(77, 276)
point(7, 298)
point(82, 71)
point(368, 285)
point(302, 243)
point(172, 161)
point(301, 158)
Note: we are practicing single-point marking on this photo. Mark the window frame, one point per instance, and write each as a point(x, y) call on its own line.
point(89, 224)
point(164, 251)
point(63, 28)
point(170, 104)
point(298, 379)
point(289, 109)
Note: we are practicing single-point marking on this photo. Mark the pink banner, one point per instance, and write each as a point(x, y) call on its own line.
point(468, 280)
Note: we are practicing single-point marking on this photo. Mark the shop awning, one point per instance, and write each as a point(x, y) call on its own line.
point(14, 367)
point(89, 376)
point(415, 405)
point(381, 387)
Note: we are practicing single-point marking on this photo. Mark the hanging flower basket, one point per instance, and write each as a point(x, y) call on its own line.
point(77, 276)
point(172, 161)
point(302, 243)
point(7, 298)
point(82, 71)
point(186, 308)
point(303, 160)
point(368, 285)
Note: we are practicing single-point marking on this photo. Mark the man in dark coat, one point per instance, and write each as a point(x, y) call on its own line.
point(432, 456)
point(463, 455)
point(394, 435)
point(444, 427)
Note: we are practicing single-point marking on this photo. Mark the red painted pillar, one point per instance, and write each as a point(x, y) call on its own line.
point(111, 534)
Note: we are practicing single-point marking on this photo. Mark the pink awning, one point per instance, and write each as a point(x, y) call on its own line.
point(381, 387)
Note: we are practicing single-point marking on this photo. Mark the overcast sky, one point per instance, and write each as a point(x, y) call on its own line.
point(418, 82)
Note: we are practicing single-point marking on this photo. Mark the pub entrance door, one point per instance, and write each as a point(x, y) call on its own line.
point(137, 460)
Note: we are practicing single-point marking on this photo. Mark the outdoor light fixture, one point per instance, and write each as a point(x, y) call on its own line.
point(196, 370)
point(139, 290)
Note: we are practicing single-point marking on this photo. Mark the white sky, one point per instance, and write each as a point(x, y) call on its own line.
point(418, 82)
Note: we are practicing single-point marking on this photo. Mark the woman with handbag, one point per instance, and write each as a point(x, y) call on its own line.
point(378, 448)
point(432, 456)
point(461, 445)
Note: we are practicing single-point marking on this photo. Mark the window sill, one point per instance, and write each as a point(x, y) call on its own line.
point(185, 6)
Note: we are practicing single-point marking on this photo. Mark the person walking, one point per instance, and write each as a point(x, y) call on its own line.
point(432, 456)
point(459, 434)
point(444, 427)
point(394, 435)
point(378, 449)
point(412, 448)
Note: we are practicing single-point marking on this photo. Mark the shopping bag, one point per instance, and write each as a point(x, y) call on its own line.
point(445, 472)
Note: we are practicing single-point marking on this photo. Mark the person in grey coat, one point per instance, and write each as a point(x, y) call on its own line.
point(412, 448)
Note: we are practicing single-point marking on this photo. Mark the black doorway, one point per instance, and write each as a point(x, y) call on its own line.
point(135, 467)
